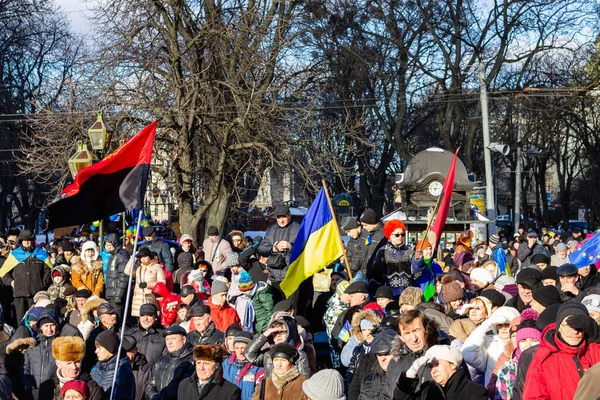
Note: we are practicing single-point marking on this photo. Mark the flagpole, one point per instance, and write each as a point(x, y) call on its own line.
point(432, 215)
point(337, 229)
point(124, 316)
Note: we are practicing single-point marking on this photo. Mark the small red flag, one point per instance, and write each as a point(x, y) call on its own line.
point(444, 202)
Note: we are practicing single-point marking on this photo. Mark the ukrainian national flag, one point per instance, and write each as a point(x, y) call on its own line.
point(317, 245)
point(19, 255)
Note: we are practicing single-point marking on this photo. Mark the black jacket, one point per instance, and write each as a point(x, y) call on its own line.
point(524, 363)
point(278, 263)
point(141, 372)
point(248, 259)
point(39, 363)
point(168, 371)
point(211, 336)
point(116, 279)
point(458, 387)
point(103, 373)
point(353, 253)
point(369, 247)
point(50, 389)
point(367, 363)
point(90, 358)
point(29, 276)
point(217, 389)
point(149, 341)
point(517, 303)
point(164, 253)
point(375, 386)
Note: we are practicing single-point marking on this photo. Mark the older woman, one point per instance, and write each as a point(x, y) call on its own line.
point(286, 381)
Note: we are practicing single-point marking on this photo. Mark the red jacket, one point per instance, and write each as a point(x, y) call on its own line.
point(222, 316)
point(168, 304)
point(553, 373)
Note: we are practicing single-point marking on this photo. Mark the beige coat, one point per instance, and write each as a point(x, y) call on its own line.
point(151, 275)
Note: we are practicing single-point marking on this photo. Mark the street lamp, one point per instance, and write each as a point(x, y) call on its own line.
point(100, 134)
point(83, 158)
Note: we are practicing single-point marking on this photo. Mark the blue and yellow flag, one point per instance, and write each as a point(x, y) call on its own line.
point(19, 255)
point(317, 245)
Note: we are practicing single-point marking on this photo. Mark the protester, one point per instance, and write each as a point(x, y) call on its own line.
point(167, 304)
point(285, 381)
point(237, 369)
point(148, 333)
point(107, 347)
point(87, 270)
point(147, 275)
point(61, 283)
point(39, 361)
point(353, 253)
point(255, 305)
point(159, 247)
point(115, 279)
point(326, 384)
point(377, 384)
point(221, 313)
point(139, 366)
point(205, 330)
point(216, 250)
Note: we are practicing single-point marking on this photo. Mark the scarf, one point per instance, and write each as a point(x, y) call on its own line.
point(61, 379)
point(280, 381)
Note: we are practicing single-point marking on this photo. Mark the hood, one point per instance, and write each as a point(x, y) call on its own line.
point(370, 316)
point(161, 289)
point(88, 308)
point(292, 328)
point(552, 344)
point(89, 245)
point(65, 271)
point(112, 238)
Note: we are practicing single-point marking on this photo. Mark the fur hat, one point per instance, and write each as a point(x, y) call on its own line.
point(68, 348)
point(208, 352)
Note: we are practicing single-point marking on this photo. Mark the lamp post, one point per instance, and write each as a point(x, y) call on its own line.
point(82, 158)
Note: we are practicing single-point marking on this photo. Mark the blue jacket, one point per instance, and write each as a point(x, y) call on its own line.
point(243, 374)
point(424, 274)
point(103, 373)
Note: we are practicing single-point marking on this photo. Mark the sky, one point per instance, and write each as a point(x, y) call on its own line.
point(76, 10)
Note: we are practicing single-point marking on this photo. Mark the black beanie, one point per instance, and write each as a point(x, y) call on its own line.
point(547, 317)
point(569, 308)
point(547, 295)
point(494, 296)
point(109, 340)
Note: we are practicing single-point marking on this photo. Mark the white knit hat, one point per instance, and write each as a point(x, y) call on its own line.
point(482, 275)
point(326, 384)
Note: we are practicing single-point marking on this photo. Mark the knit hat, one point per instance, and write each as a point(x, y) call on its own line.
point(569, 308)
point(502, 281)
point(511, 290)
point(56, 273)
point(446, 353)
point(495, 297)
point(233, 259)
point(212, 231)
point(185, 237)
point(77, 385)
point(462, 258)
point(129, 343)
point(540, 258)
point(284, 350)
point(366, 324)
point(572, 244)
point(68, 348)
point(457, 275)
point(561, 247)
point(550, 273)
point(422, 245)
point(547, 317)
point(482, 275)
point(547, 295)
point(42, 295)
point(233, 329)
point(218, 287)
point(494, 239)
point(341, 287)
point(349, 223)
point(245, 282)
point(384, 292)
point(109, 340)
point(451, 290)
point(592, 302)
point(242, 337)
point(527, 327)
point(368, 217)
point(506, 313)
point(411, 295)
point(462, 328)
point(326, 384)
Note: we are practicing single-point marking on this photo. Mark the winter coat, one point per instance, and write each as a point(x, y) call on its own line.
point(367, 364)
point(216, 252)
point(588, 385)
point(168, 371)
point(222, 316)
point(278, 262)
point(50, 388)
point(161, 248)
point(88, 277)
point(335, 307)
point(217, 389)
point(248, 259)
point(353, 254)
point(150, 275)
point(524, 254)
point(261, 358)
point(141, 373)
point(524, 363)
point(292, 390)
point(150, 342)
point(116, 279)
point(557, 367)
point(104, 372)
point(425, 272)
point(39, 363)
point(29, 276)
point(255, 308)
point(376, 385)
point(558, 261)
point(358, 354)
point(370, 243)
point(392, 267)
point(458, 387)
point(589, 281)
point(517, 303)
point(211, 336)
point(55, 290)
point(168, 304)
point(242, 374)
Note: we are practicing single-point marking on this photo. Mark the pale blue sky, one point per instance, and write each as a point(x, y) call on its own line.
point(76, 10)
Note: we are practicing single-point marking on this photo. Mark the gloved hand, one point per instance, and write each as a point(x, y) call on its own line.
point(465, 308)
point(496, 319)
point(117, 301)
point(413, 371)
point(143, 285)
point(583, 323)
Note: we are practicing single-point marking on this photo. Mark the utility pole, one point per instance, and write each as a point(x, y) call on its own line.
point(489, 182)
point(518, 169)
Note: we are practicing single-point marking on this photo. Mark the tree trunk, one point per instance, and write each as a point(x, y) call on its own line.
point(218, 212)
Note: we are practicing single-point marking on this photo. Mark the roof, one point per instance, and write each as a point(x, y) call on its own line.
point(431, 164)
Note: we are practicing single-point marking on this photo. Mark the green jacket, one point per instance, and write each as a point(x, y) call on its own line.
point(263, 306)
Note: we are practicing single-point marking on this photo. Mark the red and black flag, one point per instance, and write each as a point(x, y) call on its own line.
point(444, 200)
point(115, 184)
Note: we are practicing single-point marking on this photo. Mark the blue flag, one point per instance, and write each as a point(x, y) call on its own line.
point(588, 253)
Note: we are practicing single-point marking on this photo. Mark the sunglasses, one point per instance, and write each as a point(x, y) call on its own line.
point(398, 234)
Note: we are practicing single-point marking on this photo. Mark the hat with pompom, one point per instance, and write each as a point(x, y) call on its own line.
point(451, 290)
point(245, 282)
point(527, 327)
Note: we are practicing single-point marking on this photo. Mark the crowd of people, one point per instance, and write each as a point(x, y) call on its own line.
point(506, 318)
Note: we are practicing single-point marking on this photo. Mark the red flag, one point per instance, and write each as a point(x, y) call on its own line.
point(444, 201)
point(115, 184)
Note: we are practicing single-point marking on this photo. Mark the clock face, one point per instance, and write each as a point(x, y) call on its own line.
point(435, 188)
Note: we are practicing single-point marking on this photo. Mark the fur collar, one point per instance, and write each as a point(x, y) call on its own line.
point(20, 345)
point(370, 316)
point(280, 381)
point(79, 266)
point(89, 307)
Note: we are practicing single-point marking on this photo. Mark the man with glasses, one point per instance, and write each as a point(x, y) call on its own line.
point(392, 265)
point(371, 239)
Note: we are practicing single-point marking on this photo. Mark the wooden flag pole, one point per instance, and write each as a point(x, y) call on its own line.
point(433, 215)
point(337, 228)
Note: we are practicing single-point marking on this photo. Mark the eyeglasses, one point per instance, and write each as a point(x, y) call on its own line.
point(398, 234)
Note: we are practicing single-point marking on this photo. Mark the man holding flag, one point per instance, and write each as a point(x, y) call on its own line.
point(27, 270)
